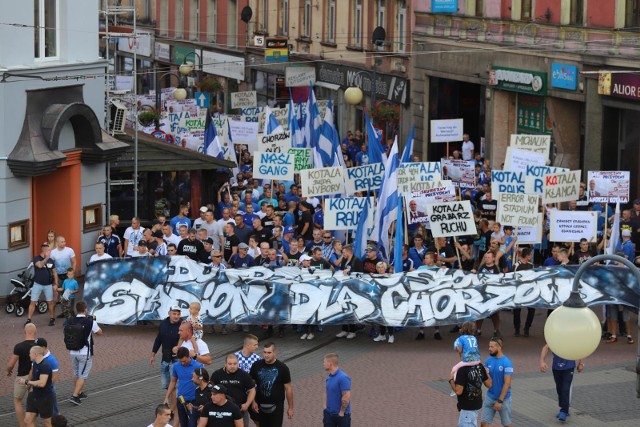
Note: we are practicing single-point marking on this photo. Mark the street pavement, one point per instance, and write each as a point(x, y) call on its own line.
point(393, 384)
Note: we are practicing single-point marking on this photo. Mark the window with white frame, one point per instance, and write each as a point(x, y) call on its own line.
point(212, 20)
point(284, 13)
point(331, 21)
point(526, 10)
point(382, 9)
point(357, 24)
point(264, 13)
point(194, 19)
point(306, 19)
point(178, 19)
point(232, 23)
point(632, 14)
point(46, 33)
point(402, 26)
point(163, 25)
point(577, 12)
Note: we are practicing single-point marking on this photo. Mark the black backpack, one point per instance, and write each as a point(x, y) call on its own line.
point(75, 337)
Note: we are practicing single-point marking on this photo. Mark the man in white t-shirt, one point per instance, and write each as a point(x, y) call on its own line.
point(100, 253)
point(168, 236)
point(185, 332)
point(163, 416)
point(132, 237)
point(82, 360)
point(63, 258)
point(197, 223)
point(213, 229)
point(468, 148)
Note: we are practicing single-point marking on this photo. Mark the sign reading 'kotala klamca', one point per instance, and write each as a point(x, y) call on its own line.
point(126, 291)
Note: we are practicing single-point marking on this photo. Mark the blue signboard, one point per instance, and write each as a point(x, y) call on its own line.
point(444, 6)
point(203, 99)
point(564, 76)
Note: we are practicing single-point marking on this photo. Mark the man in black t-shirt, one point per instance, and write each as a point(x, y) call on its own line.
point(305, 225)
point(193, 248)
point(231, 241)
point(318, 262)
point(371, 260)
point(42, 280)
point(220, 412)
point(21, 357)
point(239, 384)
point(468, 387)
point(273, 384)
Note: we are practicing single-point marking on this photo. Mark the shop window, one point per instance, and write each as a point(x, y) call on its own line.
point(92, 218)
point(46, 32)
point(357, 23)
point(212, 20)
point(18, 235)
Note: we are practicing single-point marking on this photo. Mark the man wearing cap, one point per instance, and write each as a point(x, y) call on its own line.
point(626, 246)
point(43, 280)
point(111, 242)
point(192, 247)
point(208, 245)
point(197, 223)
point(371, 260)
point(241, 259)
point(220, 412)
point(141, 250)
point(305, 261)
point(239, 384)
point(161, 245)
point(243, 231)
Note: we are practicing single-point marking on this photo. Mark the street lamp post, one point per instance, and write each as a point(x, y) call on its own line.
point(187, 66)
point(179, 93)
point(573, 331)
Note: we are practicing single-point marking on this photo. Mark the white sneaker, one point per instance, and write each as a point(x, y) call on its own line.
point(310, 336)
point(342, 334)
point(351, 335)
point(303, 337)
point(392, 339)
point(380, 337)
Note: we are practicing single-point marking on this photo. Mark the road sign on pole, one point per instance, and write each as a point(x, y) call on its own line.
point(203, 99)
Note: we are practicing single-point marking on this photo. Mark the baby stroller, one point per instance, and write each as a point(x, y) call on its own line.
point(20, 296)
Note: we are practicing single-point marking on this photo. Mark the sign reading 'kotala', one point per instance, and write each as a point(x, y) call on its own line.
point(322, 181)
point(345, 213)
point(451, 219)
point(246, 99)
point(364, 178)
point(129, 290)
point(561, 187)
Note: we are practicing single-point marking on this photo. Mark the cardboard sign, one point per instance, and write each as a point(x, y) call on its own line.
point(275, 143)
point(299, 76)
point(507, 182)
point(534, 178)
point(244, 133)
point(571, 226)
point(345, 213)
point(517, 210)
point(450, 130)
point(517, 160)
point(534, 143)
point(282, 114)
point(246, 99)
point(417, 201)
point(276, 166)
point(451, 219)
point(460, 172)
point(364, 178)
point(410, 173)
point(561, 187)
point(322, 181)
point(530, 235)
point(302, 158)
point(608, 187)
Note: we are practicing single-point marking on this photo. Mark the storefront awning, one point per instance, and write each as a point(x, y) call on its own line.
point(327, 85)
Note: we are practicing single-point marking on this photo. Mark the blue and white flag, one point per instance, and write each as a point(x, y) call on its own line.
point(297, 137)
point(327, 152)
point(397, 249)
point(272, 125)
point(407, 153)
point(374, 143)
point(313, 121)
point(362, 233)
point(387, 208)
point(212, 145)
point(235, 170)
point(614, 239)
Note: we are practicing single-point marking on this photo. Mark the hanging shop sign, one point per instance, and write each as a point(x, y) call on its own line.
point(512, 79)
point(619, 85)
point(564, 76)
point(276, 49)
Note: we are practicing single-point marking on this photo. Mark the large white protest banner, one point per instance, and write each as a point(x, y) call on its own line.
point(275, 143)
point(506, 182)
point(449, 130)
point(364, 178)
point(417, 201)
point(345, 213)
point(451, 219)
point(561, 187)
point(246, 99)
point(299, 76)
point(608, 186)
point(571, 226)
point(460, 172)
point(534, 143)
point(530, 235)
point(534, 178)
point(301, 158)
point(244, 133)
point(517, 210)
point(410, 173)
point(517, 160)
point(273, 166)
point(322, 181)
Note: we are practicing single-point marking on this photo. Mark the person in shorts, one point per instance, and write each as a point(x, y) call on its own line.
point(498, 398)
point(42, 280)
point(41, 395)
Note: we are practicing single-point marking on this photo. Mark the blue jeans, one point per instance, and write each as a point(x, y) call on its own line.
point(187, 418)
point(334, 420)
point(166, 369)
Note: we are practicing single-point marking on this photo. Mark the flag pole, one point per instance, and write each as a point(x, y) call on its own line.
point(455, 244)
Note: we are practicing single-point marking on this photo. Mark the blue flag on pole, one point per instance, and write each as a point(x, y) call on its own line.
point(360, 242)
point(407, 153)
point(397, 249)
point(387, 209)
point(212, 145)
point(374, 145)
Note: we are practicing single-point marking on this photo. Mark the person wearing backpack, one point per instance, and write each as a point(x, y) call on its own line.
point(78, 338)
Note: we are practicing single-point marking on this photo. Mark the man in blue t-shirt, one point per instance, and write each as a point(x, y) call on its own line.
point(41, 395)
point(186, 389)
point(498, 397)
point(563, 377)
point(337, 398)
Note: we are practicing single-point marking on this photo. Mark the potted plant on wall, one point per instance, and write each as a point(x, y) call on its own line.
point(148, 117)
point(209, 84)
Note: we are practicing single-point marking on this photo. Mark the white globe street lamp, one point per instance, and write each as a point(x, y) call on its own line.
point(353, 95)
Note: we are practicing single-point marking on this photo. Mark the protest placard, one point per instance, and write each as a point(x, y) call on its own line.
point(517, 210)
point(251, 114)
point(281, 114)
point(417, 201)
point(246, 99)
point(364, 178)
point(506, 182)
point(451, 219)
point(608, 186)
point(561, 187)
point(571, 226)
point(301, 158)
point(344, 213)
point(450, 130)
point(244, 133)
point(275, 143)
point(273, 166)
point(322, 181)
point(534, 143)
point(517, 160)
point(460, 172)
point(410, 173)
point(530, 235)
point(299, 76)
point(534, 177)
point(193, 123)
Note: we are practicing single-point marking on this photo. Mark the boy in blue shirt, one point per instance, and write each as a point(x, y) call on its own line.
point(69, 289)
